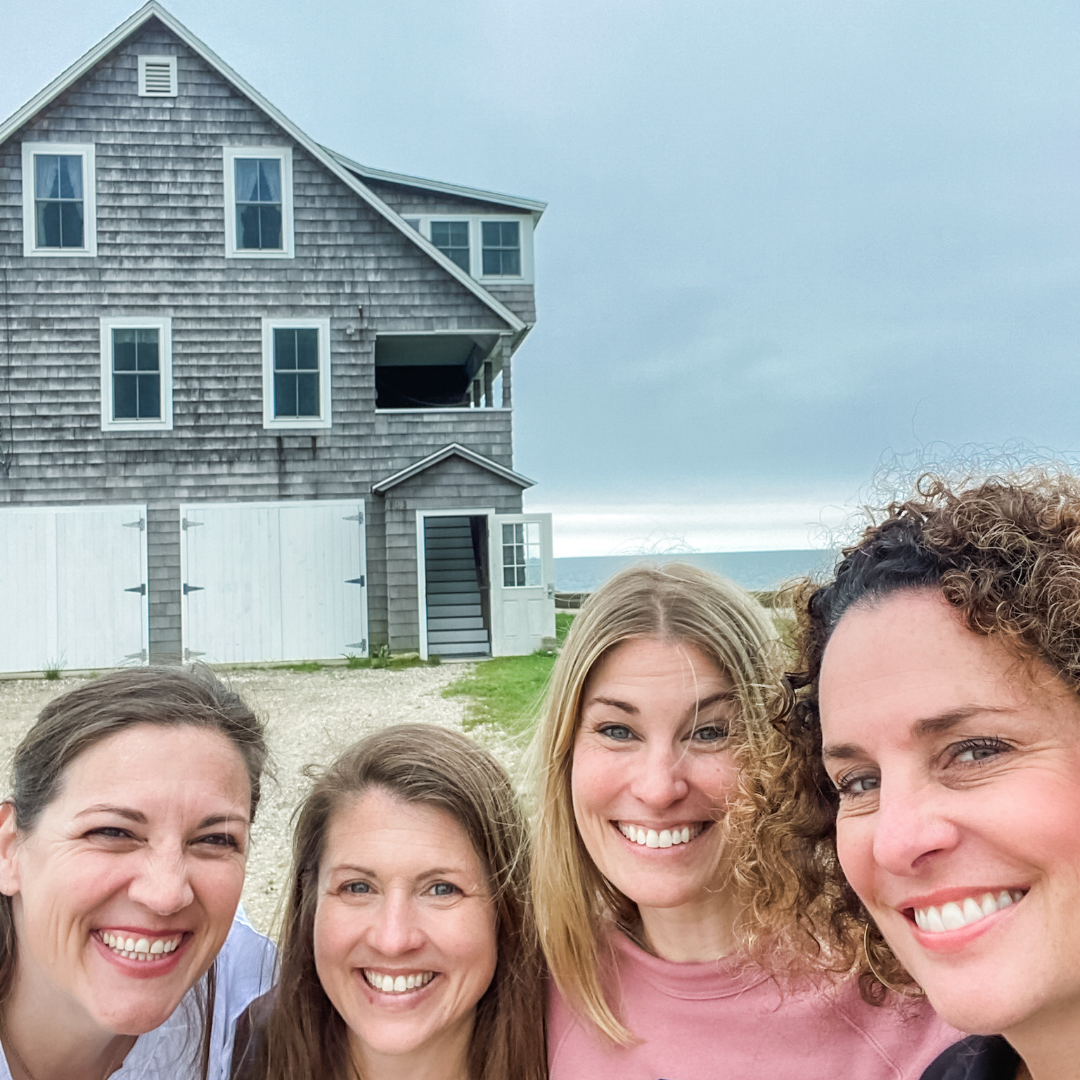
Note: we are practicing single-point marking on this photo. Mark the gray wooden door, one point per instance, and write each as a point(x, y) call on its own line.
point(73, 579)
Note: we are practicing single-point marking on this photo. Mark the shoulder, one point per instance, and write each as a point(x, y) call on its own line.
point(245, 966)
point(978, 1057)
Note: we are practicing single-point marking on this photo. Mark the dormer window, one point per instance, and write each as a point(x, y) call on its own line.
point(495, 249)
point(58, 199)
point(258, 202)
point(501, 254)
point(452, 239)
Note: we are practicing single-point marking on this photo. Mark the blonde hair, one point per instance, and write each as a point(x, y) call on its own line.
point(675, 602)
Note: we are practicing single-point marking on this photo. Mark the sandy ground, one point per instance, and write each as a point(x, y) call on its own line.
point(310, 718)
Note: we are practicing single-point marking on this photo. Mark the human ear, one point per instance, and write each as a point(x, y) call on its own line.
point(9, 845)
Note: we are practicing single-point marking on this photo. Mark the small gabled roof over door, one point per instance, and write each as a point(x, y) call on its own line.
point(448, 451)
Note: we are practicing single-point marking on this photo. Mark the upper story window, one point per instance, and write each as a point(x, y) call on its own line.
point(491, 248)
point(136, 374)
point(296, 373)
point(58, 199)
point(452, 239)
point(258, 202)
point(501, 252)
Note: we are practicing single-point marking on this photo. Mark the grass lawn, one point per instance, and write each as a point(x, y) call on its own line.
point(508, 690)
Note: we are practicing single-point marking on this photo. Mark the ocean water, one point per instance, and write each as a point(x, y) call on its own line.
point(750, 569)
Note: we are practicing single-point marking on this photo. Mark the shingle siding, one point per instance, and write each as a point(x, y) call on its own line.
point(161, 244)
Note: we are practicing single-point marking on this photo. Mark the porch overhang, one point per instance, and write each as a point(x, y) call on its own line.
point(450, 450)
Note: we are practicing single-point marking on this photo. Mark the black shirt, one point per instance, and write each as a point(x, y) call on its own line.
point(978, 1057)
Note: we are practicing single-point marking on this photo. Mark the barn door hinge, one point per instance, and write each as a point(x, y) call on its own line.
point(357, 517)
point(192, 588)
point(361, 645)
point(140, 524)
point(140, 655)
point(355, 580)
point(190, 654)
point(187, 523)
point(140, 589)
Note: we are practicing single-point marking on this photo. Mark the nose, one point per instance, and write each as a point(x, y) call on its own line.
point(659, 778)
point(912, 827)
point(163, 882)
point(396, 929)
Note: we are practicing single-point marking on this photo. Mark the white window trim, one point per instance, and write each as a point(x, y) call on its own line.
point(476, 239)
point(229, 155)
point(321, 422)
point(86, 152)
point(143, 61)
point(164, 327)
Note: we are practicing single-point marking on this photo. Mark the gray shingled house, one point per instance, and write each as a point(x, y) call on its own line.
point(255, 397)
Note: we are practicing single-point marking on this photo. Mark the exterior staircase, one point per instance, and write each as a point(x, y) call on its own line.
point(455, 609)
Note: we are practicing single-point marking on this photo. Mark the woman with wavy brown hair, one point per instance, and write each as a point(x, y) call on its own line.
point(408, 947)
point(936, 755)
point(653, 750)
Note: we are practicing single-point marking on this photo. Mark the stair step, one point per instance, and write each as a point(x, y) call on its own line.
point(466, 648)
point(464, 576)
point(468, 622)
point(437, 588)
point(439, 637)
point(455, 611)
point(445, 523)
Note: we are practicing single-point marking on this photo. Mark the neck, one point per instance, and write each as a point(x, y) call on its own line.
point(443, 1057)
point(55, 1038)
point(702, 930)
point(1048, 1045)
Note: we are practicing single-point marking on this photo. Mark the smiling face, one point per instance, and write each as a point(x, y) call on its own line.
point(959, 776)
point(404, 935)
point(652, 771)
point(125, 889)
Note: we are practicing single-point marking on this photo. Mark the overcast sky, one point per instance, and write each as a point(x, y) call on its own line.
point(786, 240)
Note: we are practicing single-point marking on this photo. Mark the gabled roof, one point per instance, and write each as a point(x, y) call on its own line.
point(325, 157)
point(534, 206)
point(451, 450)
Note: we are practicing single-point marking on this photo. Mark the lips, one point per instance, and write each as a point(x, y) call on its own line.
point(140, 947)
point(964, 911)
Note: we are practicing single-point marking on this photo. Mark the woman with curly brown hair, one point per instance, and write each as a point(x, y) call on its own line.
point(656, 731)
point(937, 740)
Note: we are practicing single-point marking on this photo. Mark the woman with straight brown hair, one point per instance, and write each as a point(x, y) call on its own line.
point(654, 750)
point(408, 946)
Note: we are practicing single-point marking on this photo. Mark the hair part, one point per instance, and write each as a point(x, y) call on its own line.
point(303, 1034)
point(673, 602)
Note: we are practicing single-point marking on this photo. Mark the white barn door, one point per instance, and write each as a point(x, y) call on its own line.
point(73, 580)
point(274, 581)
point(522, 583)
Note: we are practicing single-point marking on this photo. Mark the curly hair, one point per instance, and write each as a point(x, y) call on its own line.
point(1005, 553)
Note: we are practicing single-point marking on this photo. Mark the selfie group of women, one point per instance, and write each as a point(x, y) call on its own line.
point(855, 853)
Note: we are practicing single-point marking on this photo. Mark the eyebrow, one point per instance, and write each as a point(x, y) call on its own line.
point(139, 818)
point(633, 710)
point(435, 871)
point(921, 729)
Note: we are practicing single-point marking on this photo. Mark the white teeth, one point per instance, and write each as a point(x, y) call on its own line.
point(140, 949)
point(686, 834)
point(663, 838)
point(398, 984)
point(652, 839)
point(641, 836)
point(957, 914)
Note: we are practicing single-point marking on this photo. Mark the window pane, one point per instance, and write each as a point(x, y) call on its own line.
point(149, 397)
point(146, 346)
point(124, 350)
point(307, 349)
point(71, 224)
point(284, 395)
point(509, 578)
point(501, 254)
point(508, 534)
point(247, 180)
point(307, 394)
point(247, 227)
point(46, 176)
point(270, 228)
point(48, 224)
point(70, 167)
point(452, 239)
point(269, 180)
point(284, 350)
point(125, 397)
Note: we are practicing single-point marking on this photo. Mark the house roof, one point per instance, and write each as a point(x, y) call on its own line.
point(450, 450)
point(534, 206)
point(327, 158)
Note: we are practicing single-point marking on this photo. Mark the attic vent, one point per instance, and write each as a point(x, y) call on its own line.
point(157, 76)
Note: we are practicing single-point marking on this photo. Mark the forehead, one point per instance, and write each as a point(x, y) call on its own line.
point(392, 837)
point(649, 661)
point(150, 765)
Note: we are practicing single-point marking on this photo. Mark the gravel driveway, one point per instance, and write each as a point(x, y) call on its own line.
point(310, 718)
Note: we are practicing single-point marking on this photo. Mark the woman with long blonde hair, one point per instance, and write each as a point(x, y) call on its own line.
point(654, 748)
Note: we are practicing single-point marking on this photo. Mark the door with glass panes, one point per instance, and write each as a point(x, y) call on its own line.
point(522, 584)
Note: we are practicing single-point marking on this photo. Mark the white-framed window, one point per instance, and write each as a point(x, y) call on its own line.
point(258, 202)
point(491, 248)
point(157, 76)
point(521, 558)
point(296, 373)
point(136, 374)
point(59, 211)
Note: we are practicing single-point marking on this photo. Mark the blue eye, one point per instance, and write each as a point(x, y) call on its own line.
point(618, 732)
point(444, 888)
point(710, 733)
point(356, 888)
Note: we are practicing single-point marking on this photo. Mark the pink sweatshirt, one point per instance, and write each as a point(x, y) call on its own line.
point(707, 1022)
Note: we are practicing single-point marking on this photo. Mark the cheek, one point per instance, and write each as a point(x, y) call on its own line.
point(218, 885)
point(714, 779)
point(597, 777)
point(855, 850)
